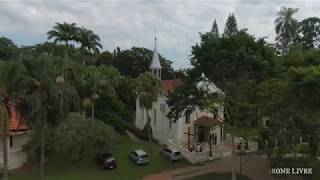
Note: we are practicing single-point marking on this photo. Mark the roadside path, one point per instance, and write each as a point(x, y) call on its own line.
point(254, 166)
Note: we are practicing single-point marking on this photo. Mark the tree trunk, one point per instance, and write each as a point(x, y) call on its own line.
point(234, 176)
point(149, 131)
point(42, 157)
point(5, 142)
point(92, 114)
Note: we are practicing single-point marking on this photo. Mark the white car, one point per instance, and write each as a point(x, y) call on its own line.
point(171, 154)
point(139, 157)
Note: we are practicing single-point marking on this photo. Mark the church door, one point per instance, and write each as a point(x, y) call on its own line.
point(203, 134)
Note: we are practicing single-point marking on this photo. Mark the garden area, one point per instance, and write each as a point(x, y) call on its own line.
point(58, 168)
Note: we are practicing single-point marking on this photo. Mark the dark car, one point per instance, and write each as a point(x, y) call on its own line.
point(171, 154)
point(106, 161)
point(139, 157)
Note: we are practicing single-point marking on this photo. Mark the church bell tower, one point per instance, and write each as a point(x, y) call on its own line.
point(155, 66)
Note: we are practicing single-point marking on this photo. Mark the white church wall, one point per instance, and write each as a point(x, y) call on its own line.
point(161, 127)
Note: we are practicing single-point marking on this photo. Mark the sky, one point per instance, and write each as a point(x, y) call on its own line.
point(177, 23)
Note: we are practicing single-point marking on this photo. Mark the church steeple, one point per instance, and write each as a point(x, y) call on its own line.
point(155, 66)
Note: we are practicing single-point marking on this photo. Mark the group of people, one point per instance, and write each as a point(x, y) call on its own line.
point(197, 149)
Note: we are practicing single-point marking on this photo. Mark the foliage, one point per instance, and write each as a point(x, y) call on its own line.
point(189, 97)
point(148, 91)
point(231, 27)
point(90, 42)
point(286, 27)
point(215, 29)
point(135, 61)
point(7, 49)
point(77, 136)
point(63, 32)
point(309, 33)
point(235, 65)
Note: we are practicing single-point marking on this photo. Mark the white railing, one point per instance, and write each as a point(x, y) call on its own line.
point(16, 158)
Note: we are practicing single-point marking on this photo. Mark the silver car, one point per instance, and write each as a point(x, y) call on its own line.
point(171, 154)
point(139, 157)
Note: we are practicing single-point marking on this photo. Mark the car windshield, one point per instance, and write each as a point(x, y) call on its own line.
point(144, 156)
point(177, 153)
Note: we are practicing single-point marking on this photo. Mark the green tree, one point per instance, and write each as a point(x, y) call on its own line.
point(63, 32)
point(105, 58)
point(231, 27)
point(309, 33)
point(135, 61)
point(148, 90)
point(89, 41)
point(8, 49)
point(235, 63)
point(40, 96)
point(286, 27)
point(76, 136)
point(215, 29)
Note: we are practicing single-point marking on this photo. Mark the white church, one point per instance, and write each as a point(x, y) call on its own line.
point(198, 135)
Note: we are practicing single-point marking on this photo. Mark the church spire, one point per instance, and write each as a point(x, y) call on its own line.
point(155, 66)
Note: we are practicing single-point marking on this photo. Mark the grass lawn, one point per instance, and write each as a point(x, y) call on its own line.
point(220, 176)
point(57, 167)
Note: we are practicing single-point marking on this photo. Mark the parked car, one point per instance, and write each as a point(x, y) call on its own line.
point(171, 154)
point(106, 161)
point(139, 157)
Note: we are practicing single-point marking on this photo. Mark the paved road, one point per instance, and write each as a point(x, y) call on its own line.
point(253, 165)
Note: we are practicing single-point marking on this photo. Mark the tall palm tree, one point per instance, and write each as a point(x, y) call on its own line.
point(40, 97)
point(286, 26)
point(90, 42)
point(63, 32)
point(148, 90)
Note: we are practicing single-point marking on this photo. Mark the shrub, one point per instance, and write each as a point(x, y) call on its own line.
point(303, 148)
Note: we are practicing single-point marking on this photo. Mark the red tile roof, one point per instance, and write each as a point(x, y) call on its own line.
point(16, 122)
point(208, 121)
point(170, 85)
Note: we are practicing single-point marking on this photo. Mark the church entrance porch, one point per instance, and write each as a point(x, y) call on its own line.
point(203, 140)
point(208, 134)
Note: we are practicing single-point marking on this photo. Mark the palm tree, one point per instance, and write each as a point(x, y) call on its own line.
point(63, 32)
point(90, 42)
point(286, 26)
point(148, 90)
point(40, 97)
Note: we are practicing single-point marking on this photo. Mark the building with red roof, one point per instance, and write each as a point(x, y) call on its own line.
point(16, 137)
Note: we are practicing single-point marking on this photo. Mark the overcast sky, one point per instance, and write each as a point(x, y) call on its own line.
point(132, 23)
